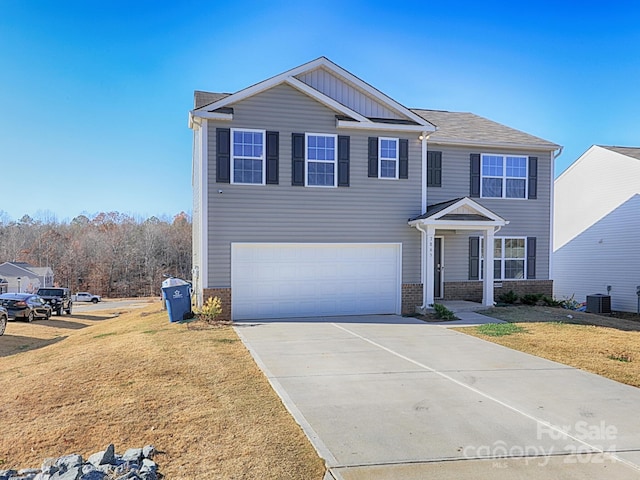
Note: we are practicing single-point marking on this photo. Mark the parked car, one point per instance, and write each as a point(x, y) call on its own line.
point(87, 297)
point(59, 299)
point(4, 317)
point(25, 306)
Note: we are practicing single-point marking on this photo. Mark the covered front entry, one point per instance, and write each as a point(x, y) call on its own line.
point(278, 280)
point(460, 215)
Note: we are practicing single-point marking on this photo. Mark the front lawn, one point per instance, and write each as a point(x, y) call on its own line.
point(77, 383)
point(605, 345)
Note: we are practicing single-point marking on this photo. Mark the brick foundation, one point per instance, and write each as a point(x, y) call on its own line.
point(472, 291)
point(225, 299)
point(411, 297)
point(412, 293)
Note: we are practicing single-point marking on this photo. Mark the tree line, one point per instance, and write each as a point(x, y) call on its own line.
point(111, 254)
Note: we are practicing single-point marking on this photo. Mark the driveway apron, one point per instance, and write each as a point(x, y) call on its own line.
point(385, 397)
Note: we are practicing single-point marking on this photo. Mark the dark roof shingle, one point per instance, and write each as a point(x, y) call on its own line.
point(633, 152)
point(469, 128)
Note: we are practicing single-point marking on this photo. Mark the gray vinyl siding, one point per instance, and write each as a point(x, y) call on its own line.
point(370, 210)
point(527, 218)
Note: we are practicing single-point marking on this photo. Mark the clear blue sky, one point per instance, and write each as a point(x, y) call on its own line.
point(94, 95)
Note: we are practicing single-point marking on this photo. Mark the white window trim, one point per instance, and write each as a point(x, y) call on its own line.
point(503, 259)
point(396, 159)
point(306, 159)
point(504, 175)
point(262, 158)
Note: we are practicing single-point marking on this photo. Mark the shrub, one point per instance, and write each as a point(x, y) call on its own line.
point(531, 298)
point(570, 303)
point(443, 312)
point(551, 302)
point(510, 297)
point(210, 310)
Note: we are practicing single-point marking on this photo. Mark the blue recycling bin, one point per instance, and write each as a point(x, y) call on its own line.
point(178, 301)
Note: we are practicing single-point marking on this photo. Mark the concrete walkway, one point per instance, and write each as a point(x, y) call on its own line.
point(388, 397)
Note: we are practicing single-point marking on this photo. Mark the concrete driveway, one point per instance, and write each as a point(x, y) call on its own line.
point(386, 397)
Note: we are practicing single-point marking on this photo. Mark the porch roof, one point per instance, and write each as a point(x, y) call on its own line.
point(460, 213)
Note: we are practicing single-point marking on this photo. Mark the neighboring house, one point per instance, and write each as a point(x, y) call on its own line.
point(20, 277)
point(316, 194)
point(597, 227)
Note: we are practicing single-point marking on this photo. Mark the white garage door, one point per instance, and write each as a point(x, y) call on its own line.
point(278, 280)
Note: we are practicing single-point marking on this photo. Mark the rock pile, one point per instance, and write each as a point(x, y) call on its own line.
point(135, 464)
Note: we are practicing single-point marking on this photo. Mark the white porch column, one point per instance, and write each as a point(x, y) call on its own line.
point(487, 287)
point(428, 266)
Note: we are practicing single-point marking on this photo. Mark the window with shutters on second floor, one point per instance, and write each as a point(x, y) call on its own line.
point(388, 158)
point(503, 176)
point(247, 156)
point(321, 158)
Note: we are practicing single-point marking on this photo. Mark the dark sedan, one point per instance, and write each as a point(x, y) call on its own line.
point(25, 306)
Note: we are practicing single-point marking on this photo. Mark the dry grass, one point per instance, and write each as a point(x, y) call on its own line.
point(607, 346)
point(76, 384)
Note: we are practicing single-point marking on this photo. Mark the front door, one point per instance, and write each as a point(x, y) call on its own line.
point(437, 268)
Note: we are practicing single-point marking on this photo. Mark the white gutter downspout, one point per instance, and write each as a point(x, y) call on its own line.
point(554, 155)
point(425, 260)
point(424, 137)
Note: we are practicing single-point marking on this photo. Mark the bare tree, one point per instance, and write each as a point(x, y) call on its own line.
point(111, 254)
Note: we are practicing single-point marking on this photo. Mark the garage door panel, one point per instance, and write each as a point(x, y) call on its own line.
point(298, 280)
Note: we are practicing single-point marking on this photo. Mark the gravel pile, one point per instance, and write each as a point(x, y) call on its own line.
point(135, 464)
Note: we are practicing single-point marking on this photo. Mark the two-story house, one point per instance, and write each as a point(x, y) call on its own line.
point(315, 194)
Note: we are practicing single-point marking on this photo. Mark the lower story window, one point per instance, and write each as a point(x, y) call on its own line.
point(509, 258)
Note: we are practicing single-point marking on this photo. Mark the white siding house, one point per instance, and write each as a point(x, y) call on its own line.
point(597, 227)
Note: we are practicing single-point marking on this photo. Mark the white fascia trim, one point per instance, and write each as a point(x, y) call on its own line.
point(322, 98)
point(369, 125)
point(204, 210)
point(214, 115)
point(471, 204)
point(260, 87)
point(512, 146)
point(378, 95)
point(288, 77)
point(459, 224)
point(577, 162)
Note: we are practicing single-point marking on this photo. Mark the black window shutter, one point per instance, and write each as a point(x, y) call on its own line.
point(474, 258)
point(434, 169)
point(343, 160)
point(531, 257)
point(373, 157)
point(297, 159)
point(403, 157)
point(474, 189)
point(273, 157)
point(223, 155)
point(533, 177)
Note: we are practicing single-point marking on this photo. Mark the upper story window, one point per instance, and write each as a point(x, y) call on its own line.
point(321, 156)
point(503, 176)
point(247, 156)
point(388, 157)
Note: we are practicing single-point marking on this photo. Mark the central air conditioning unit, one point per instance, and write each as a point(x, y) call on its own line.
point(599, 303)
